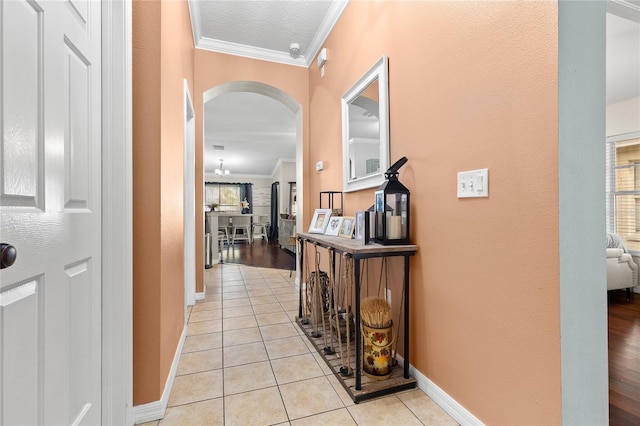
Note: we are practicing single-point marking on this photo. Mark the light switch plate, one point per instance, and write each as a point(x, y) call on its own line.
point(473, 183)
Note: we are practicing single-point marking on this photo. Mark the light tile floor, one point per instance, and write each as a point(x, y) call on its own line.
point(246, 362)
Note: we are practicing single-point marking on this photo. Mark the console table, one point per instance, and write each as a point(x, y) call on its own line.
point(358, 390)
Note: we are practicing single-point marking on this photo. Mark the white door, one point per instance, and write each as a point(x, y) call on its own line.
point(50, 299)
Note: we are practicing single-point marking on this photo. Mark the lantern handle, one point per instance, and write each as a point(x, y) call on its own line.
point(396, 166)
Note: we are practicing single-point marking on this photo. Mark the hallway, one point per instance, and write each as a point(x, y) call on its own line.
point(245, 362)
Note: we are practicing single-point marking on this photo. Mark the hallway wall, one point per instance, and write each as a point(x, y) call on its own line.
point(471, 85)
point(160, 65)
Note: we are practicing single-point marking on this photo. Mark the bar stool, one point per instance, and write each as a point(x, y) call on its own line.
point(242, 223)
point(223, 234)
point(259, 229)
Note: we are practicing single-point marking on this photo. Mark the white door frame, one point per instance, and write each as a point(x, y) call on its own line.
point(581, 158)
point(189, 182)
point(117, 187)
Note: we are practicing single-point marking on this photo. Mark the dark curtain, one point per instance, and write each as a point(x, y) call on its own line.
point(246, 193)
point(273, 230)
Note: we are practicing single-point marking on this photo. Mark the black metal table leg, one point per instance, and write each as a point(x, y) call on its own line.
point(406, 317)
point(358, 341)
point(301, 254)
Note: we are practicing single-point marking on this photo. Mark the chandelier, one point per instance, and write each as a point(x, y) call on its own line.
point(221, 171)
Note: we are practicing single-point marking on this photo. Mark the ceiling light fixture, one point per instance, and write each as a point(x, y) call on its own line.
point(221, 171)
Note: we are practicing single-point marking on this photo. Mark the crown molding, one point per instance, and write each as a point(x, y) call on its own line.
point(194, 12)
point(249, 52)
point(330, 20)
point(279, 164)
point(624, 9)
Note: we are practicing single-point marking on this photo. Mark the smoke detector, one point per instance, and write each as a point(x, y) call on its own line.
point(294, 49)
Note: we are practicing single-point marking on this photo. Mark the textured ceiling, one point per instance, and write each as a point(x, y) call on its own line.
point(264, 29)
point(255, 131)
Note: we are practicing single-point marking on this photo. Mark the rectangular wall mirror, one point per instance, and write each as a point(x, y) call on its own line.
point(365, 130)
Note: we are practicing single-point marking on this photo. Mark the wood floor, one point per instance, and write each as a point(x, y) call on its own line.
point(624, 359)
point(260, 254)
point(624, 331)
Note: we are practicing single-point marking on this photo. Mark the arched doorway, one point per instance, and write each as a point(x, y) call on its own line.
point(283, 101)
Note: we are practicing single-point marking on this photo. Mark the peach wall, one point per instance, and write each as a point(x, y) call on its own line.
point(146, 199)
point(176, 65)
point(213, 69)
point(472, 85)
point(160, 65)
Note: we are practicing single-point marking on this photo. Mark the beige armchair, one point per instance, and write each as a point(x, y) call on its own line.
point(622, 272)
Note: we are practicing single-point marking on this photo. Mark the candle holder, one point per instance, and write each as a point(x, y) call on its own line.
point(392, 207)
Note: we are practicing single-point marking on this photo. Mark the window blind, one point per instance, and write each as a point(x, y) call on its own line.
point(623, 190)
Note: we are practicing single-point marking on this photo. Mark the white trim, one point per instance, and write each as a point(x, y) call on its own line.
point(300, 188)
point(117, 187)
point(441, 398)
point(201, 296)
point(624, 136)
point(624, 9)
point(194, 12)
point(251, 52)
point(189, 198)
point(155, 410)
point(584, 377)
point(279, 164)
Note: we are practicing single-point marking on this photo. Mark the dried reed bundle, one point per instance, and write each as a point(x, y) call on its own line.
point(375, 312)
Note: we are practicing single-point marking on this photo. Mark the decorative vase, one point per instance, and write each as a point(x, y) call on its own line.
point(377, 361)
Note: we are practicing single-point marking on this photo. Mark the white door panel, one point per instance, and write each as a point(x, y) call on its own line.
point(22, 180)
point(21, 319)
point(50, 299)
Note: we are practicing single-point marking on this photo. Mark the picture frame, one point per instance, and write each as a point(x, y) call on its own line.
point(362, 226)
point(320, 221)
point(335, 223)
point(347, 227)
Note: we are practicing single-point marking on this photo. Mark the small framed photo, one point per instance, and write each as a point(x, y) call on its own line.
point(348, 226)
point(362, 226)
point(335, 222)
point(320, 221)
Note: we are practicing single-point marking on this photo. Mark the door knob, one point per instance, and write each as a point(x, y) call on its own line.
point(8, 254)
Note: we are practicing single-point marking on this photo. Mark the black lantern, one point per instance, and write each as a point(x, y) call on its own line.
point(392, 209)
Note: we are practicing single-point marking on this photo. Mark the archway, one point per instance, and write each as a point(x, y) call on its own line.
point(287, 101)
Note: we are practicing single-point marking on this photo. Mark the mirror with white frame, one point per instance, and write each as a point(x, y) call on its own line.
point(365, 130)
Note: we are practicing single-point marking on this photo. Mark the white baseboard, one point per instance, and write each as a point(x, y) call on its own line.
point(155, 410)
point(201, 296)
point(440, 397)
